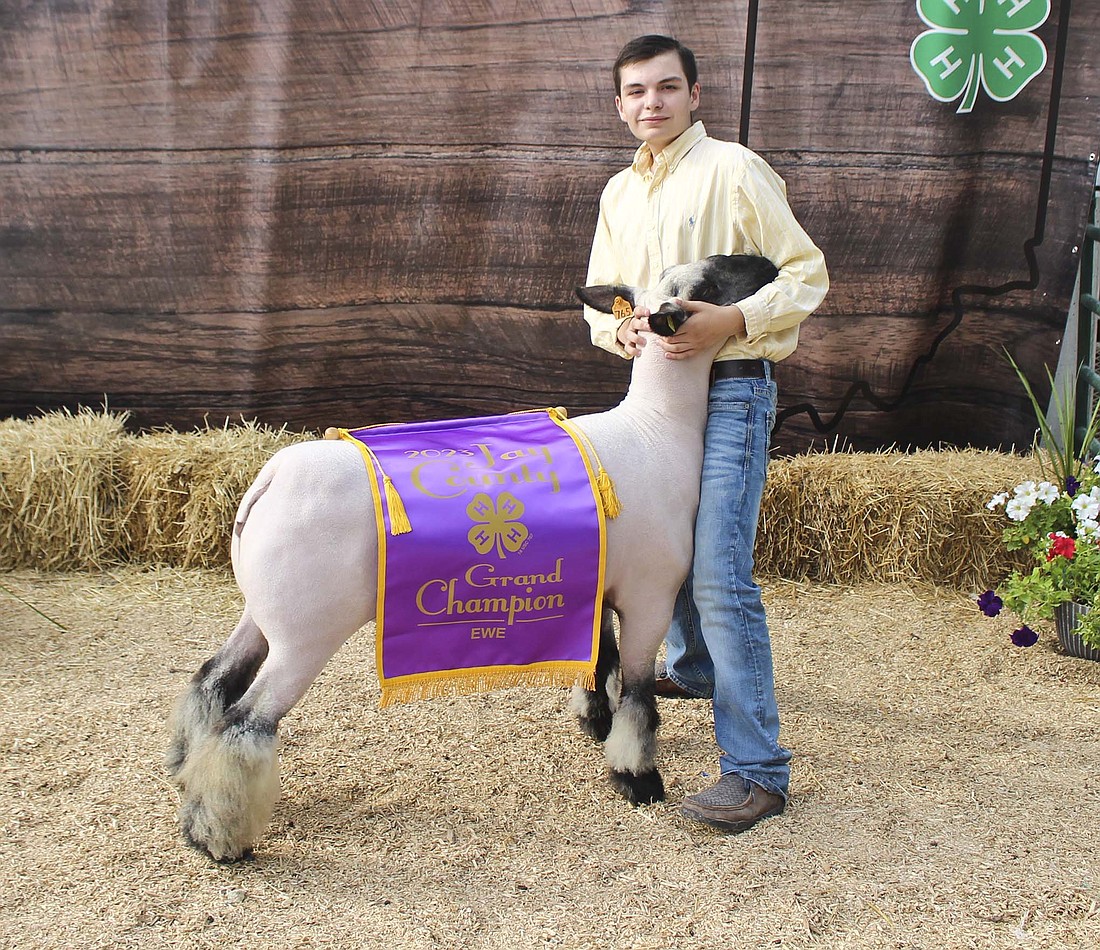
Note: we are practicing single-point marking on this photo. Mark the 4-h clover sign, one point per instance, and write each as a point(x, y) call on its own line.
point(979, 42)
point(496, 524)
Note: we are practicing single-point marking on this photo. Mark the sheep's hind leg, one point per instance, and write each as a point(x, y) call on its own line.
point(219, 683)
point(594, 708)
point(229, 785)
point(229, 782)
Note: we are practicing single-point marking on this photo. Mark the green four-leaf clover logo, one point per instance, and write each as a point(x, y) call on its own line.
point(974, 43)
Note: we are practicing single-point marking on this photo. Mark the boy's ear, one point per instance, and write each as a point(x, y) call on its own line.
point(602, 296)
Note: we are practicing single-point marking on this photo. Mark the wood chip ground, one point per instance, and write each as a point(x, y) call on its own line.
point(945, 793)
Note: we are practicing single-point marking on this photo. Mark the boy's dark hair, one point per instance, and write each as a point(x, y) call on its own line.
point(647, 47)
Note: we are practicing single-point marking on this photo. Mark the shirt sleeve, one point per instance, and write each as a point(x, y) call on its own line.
point(761, 212)
point(603, 269)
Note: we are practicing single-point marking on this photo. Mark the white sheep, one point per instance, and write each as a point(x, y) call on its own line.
point(305, 555)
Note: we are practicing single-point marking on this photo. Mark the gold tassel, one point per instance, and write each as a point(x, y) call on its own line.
point(399, 518)
point(612, 507)
point(605, 488)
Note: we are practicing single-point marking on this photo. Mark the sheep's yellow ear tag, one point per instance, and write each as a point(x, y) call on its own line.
point(621, 309)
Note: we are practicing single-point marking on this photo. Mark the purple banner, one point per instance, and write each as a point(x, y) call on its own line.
point(499, 579)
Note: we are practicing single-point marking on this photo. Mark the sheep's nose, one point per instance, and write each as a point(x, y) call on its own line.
point(667, 320)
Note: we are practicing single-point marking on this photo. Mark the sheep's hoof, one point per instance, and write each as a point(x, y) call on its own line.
point(246, 854)
point(204, 832)
point(230, 856)
point(643, 789)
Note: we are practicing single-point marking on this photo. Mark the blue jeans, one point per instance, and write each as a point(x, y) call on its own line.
point(718, 644)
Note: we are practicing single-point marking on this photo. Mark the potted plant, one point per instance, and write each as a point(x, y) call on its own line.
point(1055, 520)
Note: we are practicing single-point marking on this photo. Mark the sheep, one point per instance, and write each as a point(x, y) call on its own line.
point(305, 556)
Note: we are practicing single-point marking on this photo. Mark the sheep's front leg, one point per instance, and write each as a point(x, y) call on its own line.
point(631, 747)
point(593, 708)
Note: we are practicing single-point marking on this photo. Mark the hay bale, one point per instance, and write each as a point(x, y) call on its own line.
point(182, 490)
point(76, 492)
point(60, 490)
point(891, 516)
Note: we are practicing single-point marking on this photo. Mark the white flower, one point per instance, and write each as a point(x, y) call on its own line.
point(1026, 490)
point(1087, 507)
point(1019, 508)
point(997, 500)
point(1088, 530)
point(1047, 493)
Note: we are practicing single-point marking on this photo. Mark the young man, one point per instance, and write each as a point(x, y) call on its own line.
point(687, 196)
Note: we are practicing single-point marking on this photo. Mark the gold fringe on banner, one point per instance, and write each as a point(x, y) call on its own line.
point(483, 680)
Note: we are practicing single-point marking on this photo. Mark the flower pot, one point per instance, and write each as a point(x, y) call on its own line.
point(1065, 619)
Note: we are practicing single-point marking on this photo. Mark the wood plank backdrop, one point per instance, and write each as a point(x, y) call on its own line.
point(346, 212)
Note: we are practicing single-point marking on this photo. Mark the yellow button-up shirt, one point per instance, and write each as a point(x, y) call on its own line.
point(701, 196)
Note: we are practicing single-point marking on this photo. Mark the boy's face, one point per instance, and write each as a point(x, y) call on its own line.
point(655, 101)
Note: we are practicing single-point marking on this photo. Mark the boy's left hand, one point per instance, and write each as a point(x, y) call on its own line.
point(709, 324)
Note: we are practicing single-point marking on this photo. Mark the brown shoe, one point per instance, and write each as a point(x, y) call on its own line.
point(733, 804)
point(668, 688)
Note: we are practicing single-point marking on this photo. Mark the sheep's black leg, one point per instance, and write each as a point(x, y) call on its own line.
point(219, 683)
point(229, 783)
point(631, 748)
point(594, 708)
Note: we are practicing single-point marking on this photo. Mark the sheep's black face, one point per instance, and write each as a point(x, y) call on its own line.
point(720, 279)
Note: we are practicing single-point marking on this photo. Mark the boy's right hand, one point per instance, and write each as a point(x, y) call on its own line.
point(630, 331)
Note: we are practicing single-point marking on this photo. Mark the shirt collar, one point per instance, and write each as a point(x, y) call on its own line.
point(671, 155)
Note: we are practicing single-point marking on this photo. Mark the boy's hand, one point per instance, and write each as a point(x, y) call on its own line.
point(630, 332)
point(709, 325)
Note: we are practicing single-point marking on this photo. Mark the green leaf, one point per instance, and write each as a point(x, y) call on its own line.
point(1014, 16)
point(946, 62)
point(1020, 59)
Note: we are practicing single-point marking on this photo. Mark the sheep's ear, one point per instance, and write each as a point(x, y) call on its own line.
point(602, 296)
